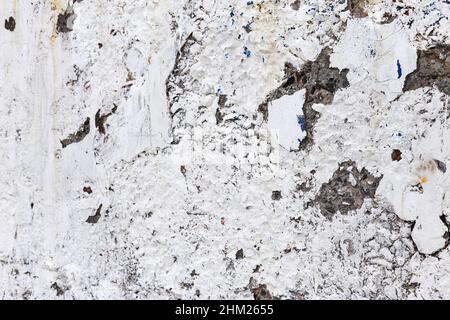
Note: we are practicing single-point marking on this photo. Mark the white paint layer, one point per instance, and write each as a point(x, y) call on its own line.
point(286, 120)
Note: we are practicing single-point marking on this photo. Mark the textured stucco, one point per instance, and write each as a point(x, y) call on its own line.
point(224, 149)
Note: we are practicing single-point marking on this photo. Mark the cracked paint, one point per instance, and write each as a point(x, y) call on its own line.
point(224, 149)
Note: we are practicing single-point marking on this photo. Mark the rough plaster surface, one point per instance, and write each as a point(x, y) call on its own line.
point(149, 149)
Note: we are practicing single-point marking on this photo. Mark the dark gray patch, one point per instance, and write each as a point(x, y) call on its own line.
point(65, 20)
point(240, 254)
point(175, 79)
point(78, 73)
point(295, 5)
point(183, 170)
point(441, 166)
point(357, 8)
point(194, 274)
point(219, 116)
point(411, 287)
point(338, 194)
point(27, 295)
point(350, 247)
point(304, 187)
point(59, 291)
point(222, 100)
point(298, 295)
point(187, 285)
point(148, 214)
point(396, 155)
point(176, 84)
point(259, 291)
point(78, 136)
point(276, 195)
point(87, 189)
point(433, 68)
point(96, 217)
point(221, 105)
point(388, 18)
point(100, 119)
point(10, 24)
point(321, 83)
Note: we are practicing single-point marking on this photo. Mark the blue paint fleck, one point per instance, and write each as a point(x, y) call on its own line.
point(301, 122)
point(247, 52)
point(249, 3)
point(399, 69)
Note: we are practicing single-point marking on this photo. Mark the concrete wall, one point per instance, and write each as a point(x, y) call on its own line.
point(224, 149)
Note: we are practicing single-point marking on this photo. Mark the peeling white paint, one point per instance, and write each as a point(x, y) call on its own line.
point(285, 120)
point(176, 211)
point(379, 55)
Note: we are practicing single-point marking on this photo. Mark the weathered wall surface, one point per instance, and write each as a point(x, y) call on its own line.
point(291, 149)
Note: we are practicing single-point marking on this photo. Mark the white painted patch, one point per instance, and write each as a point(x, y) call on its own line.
point(380, 55)
point(284, 114)
point(174, 215)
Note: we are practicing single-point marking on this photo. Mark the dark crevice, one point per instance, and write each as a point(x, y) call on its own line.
point(100, 119)
point(412, 225)
point(240, 254)
point(221, 105)
point(96, 217)
point(174, 80)
point(78, 136)
point(447, 233)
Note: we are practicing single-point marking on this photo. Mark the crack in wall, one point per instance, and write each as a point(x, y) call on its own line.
point(175, 79)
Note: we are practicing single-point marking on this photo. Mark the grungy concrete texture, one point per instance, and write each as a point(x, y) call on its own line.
point(206, 149)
